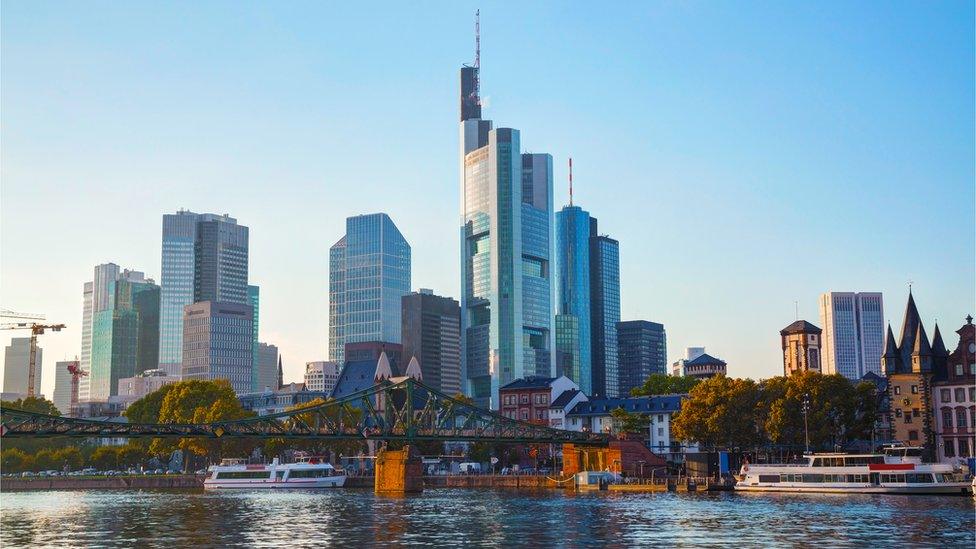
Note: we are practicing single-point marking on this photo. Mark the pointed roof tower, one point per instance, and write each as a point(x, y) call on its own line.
point(891, 359)
point(383, 370)
point(909, 327)
point(281, 376)
point(413, 370)
point(938, 346)
point(922, 347)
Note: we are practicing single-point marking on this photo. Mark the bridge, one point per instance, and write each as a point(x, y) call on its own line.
point(400, 409)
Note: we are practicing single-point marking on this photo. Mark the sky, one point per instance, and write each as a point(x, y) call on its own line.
point(747, 155)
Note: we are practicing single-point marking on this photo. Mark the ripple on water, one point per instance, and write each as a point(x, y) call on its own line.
point(479, 518)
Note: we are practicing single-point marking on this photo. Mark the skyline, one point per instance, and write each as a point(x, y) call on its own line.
point(910, 149)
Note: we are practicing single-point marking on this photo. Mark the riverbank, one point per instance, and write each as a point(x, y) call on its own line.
point(145, 482)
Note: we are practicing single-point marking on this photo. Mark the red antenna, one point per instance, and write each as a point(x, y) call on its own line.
point(571, 181)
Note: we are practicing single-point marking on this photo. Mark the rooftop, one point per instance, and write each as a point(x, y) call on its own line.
point(530, 382)
point(704, 359)
point(648, 404)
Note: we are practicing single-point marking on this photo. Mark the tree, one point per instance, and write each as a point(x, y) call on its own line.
point(344, 415)
point(198, 401)
point(663, 384)
point(628, 422)
point(44, 460)
point(33, 404)
point(720, 412)
point(14, 460)
point(105, 458)
point(37, 405)
point(70, 457)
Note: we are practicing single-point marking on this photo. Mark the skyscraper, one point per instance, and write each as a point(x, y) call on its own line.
point(265, 369)
point(369, 271)
point(573, 295)
point(16, 366)
point(642, 351)
point(217, 339)
point(432, 334)
point(62, 386)
point(507, 313)
point(605, 314)
point(86, 336)
point(258, 380)
point(125, 333)
point(204, 257)
point(853, 333)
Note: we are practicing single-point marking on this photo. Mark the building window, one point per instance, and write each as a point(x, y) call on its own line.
point(912, 435)
point(915, 412)
point(914, 389)
point(961, 418)
point(958, 369)
point(525, 414)
point(947, 418)
point(963, 448)
point(908, 418)
point(950, 447)
point(960, 394)
point(945, 395)
point(972, 394)
point(897, 390)
point(898, 412)
point(525, 399)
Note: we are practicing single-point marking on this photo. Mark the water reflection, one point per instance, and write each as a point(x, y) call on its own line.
point(477, 517)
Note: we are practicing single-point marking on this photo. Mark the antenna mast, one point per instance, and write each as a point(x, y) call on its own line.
point(477, 56)
point(570, 181)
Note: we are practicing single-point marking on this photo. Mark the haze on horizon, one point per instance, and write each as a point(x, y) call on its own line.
point(745, 156)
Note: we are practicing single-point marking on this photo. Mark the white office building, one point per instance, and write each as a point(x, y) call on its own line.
point(321, 375)
point(853, 333)
point(16, 366)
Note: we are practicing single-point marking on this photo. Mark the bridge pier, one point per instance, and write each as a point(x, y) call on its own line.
point(589, 458)
point(398, 472)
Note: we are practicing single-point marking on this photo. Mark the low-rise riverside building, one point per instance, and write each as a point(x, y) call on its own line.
point(273, 402)
point(596, 415)
point(563, 404)
point(954, 398)
point(529, 398)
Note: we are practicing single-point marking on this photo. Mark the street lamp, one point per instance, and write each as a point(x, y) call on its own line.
point(806, 428)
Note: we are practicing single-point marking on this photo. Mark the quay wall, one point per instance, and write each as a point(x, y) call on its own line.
point(134, 482)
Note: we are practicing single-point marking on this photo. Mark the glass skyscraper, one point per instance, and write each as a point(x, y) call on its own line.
point(853, 333)
point(604, 312)
point(369, 271)
point(573, 291)
point(254, 299)
point(125, 334)
point(643, 350)
point(506, 253)
point(204, 257)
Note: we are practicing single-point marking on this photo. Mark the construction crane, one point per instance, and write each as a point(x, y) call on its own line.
point(74, 368)
point(36, 330)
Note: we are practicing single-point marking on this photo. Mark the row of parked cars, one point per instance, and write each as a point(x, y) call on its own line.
point(91, 472)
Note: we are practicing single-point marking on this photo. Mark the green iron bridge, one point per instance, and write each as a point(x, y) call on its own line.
point(403, 409)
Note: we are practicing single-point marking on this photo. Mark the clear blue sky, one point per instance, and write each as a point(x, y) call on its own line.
point(746, 155)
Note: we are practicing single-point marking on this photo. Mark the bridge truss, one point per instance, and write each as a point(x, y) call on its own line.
point(403, 409)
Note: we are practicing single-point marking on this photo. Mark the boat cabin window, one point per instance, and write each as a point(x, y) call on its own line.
point(226, 475)
point(309, 473)
point(768, 478)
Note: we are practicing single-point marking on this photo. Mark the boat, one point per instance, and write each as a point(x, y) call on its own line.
point(898, 470)
point(305, 472)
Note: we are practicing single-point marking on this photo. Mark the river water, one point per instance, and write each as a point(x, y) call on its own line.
point(451, 517)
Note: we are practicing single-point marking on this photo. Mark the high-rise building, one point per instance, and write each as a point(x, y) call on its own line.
point(369, 271)
point(321, 375)
point(507, 313)
point(16, 367)
point(204, 257)
point(265, 371)
point(217, 339)
point(605, 314)
point(96, 298)
point(853, 333)
point(125, 333)
point(62, 386)
point(254, 299)
point(573, 294)
point(801, 347)
point(642, 350)
point(432, 334)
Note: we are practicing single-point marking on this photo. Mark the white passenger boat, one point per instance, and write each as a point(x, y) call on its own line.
point(306, 472)
point(899, 470)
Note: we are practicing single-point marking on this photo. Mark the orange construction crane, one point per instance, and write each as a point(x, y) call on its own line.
point(36, 330)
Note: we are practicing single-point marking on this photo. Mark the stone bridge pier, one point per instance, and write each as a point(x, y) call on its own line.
point(399, 472)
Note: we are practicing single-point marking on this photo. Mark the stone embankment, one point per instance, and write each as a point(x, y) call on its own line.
point(122, 482)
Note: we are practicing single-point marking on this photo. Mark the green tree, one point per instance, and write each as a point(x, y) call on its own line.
point(14, 460)
point(346, 416)
point(33, 404)
point(197, 401)
point(628, 422)
point(44, 460)
point(720, 412)
point(663, 384)
point(37, 405)
point(105, 458)
point(70, 456)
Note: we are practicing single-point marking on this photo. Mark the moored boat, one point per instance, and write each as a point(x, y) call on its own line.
point(899, 470)
point(306, 472)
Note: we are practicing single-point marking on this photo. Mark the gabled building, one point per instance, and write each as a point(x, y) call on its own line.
point(562, 405)
point(954, 396)
point(530, 398)
point(596, 416)
point(801, 347)
point(909, 366)
point(704, 366)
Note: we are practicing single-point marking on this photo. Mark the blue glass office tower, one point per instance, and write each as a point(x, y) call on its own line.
point(604, 312)
point(573, 293)
point(254, 300)
point(369, 271)
point(204, 257)
point(506, 252)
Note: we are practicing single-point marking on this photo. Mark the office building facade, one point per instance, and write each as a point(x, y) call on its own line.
point(573, 293)
point(431, 333)
point(369, 271)
point(321, 375)
point(853, 333)
point(642, 351)
point(605, 314)
point(125, 333)
point(265, 371)
point(258, 382)
point(16, 367)
point(204, 258)
point(63, 387)
point(217, 343)
point(96, 298)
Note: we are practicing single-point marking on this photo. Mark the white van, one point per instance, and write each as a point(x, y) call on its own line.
point(470, 467)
